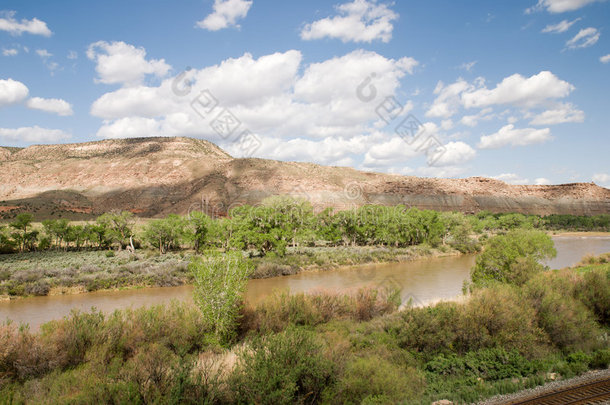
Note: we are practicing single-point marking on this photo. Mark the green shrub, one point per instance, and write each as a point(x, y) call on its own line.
point(285, 368)
point(372, 380)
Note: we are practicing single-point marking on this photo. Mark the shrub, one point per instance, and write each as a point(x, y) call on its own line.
point(375, 380)
point(220, 281)
point(285, 368)
point(567, 322)
point(500, 258)
point(594, 292)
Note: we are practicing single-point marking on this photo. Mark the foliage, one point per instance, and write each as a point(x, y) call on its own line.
point(220, 281)
point(285, 368)
point(165, 234)
point(512, 257)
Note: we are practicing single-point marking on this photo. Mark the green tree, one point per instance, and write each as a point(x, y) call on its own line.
point(57, 229)
point(220, 281)
point(166, 234)
point(22, 224)
point(200, 224)
point(118, 225)
point(513, 257)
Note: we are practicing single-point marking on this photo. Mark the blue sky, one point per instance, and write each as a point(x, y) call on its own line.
point(516, 90)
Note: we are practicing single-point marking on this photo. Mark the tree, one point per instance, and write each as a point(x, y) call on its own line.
point(513, 257)
point(21, 224)
point(57, 229)
point(119, 226)
point(165, 234)
point(200, 224)
point(220, 281)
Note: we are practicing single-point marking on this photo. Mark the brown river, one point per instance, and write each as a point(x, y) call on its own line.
point(423, 281)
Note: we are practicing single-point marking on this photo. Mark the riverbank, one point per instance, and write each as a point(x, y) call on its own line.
point(579, 234)
point(58, 273)
point(320, 348)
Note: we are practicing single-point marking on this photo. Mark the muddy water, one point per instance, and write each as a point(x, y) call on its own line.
point(422, 281)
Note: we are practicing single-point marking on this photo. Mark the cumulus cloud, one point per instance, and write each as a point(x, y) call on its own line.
point(12, 92)
point(559, 115)
point(447, 102)
point(511, 178)
point(34, 26)
point(585, 38)
point(10, 52)
point(32, 135)
point(605, 59)
point(358, 21)
point(559, 6)
point(225, 14)
point(52, 105)
point(130, 127)
point(473, 120)
point(519, 91)
point(541, 181)
point(560, 27)
point(455, 153)
point(273, 94)
point(118, 62)
point(509, 135)
point(602, 179)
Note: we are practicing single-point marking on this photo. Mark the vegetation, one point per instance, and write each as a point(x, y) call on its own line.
point(220, 281)
point(321, 348)
point(513, 257)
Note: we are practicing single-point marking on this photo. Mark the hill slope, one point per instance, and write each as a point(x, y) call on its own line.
point(156, 176)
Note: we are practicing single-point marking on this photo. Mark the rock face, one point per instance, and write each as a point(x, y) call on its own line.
point(157, 176)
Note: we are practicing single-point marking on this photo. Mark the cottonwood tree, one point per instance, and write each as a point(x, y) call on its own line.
point(22, 224)
point(119, 226)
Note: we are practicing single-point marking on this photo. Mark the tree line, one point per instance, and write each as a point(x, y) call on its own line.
point(277, 223)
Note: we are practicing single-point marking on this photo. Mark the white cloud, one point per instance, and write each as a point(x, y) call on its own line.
point(509, 135)
point(519, 91)
point(473, 120)
point(605, 59)
point(118, 62)
point(358, 21)
point(447, 102)
point(541, 181)
point(456, 153)
point(32, 135)
point(12, 92)
point(602, 179)
point(467, 66)
point(43, 53)
point(562, 113)
point(269, 95)
point(10, 52)
point(560, 27)
point(585, 38)
point(559, 6)
point(52, 105)
point(131, 127)
point(226, 14)
point(72, 55)
point(33, 26)
point(511, 178)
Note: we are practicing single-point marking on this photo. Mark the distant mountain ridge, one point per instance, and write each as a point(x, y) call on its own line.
point(157, 176)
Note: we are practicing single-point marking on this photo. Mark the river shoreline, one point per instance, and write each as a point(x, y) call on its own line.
point(304, 260)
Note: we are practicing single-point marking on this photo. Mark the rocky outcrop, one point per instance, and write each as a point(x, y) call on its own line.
point(156, 176)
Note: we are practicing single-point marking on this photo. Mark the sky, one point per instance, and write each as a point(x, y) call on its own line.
point(515, 90)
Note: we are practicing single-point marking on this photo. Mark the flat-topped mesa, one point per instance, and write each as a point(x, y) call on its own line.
point(157, 176)
point(124, 148)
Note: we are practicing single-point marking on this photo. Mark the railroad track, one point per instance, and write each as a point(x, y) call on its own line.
point(591, 392)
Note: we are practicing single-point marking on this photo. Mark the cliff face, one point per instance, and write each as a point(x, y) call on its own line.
point(156, 176)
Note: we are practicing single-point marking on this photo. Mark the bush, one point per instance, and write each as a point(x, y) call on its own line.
point(371, 380)
point(285, 368)
point(594, 292)
point(500, 258)
point(567, 322)
point(220, 281)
